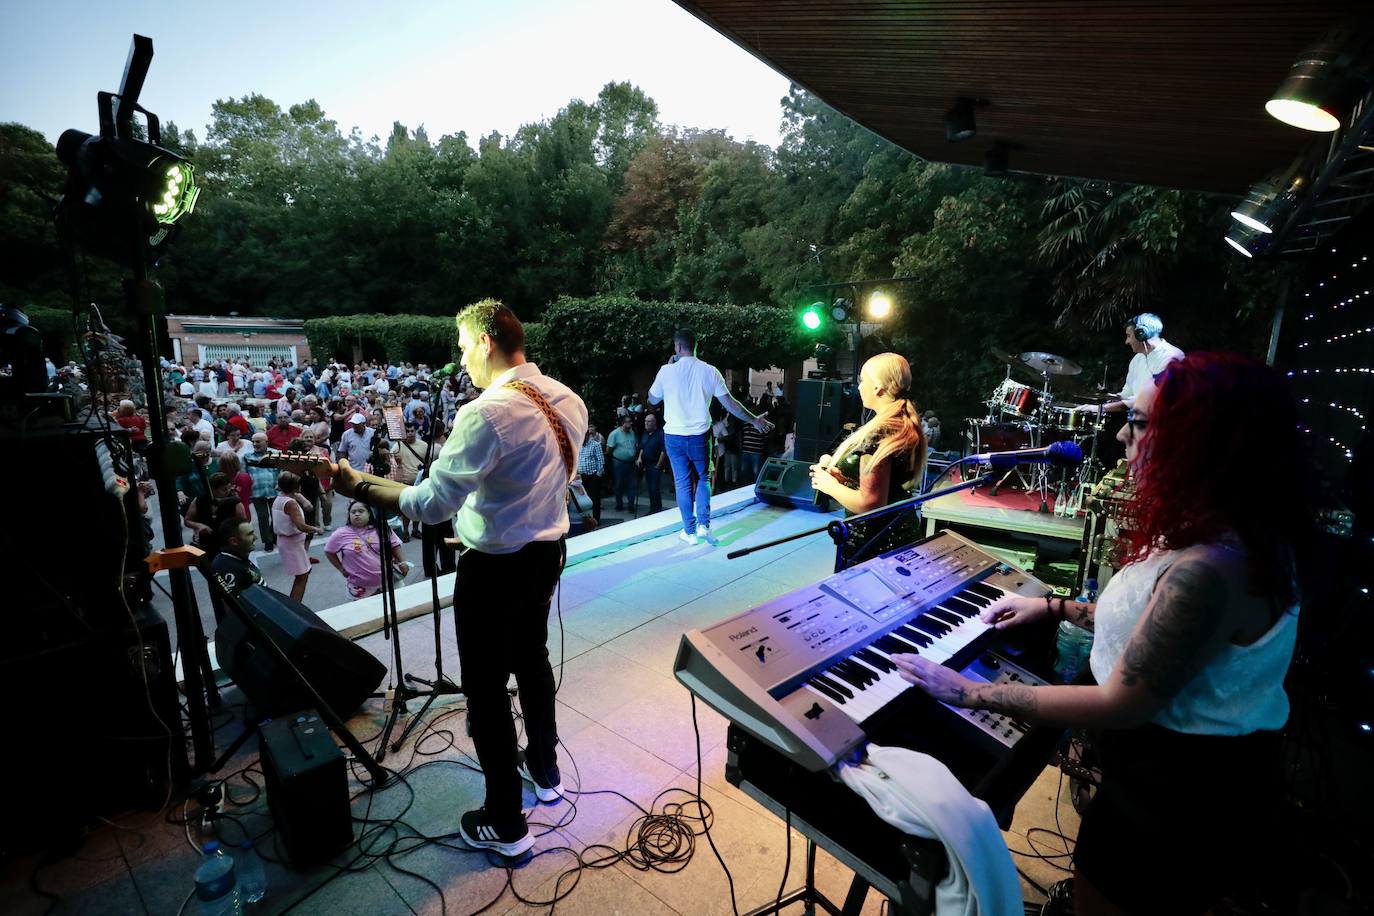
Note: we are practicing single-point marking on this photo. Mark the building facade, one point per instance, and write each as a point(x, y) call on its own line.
point(201, 338)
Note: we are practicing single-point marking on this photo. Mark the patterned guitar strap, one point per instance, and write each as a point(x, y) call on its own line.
point(559, 433)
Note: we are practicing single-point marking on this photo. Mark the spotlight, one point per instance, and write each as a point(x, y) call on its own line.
point(825, 360)
point(841, 310)
point(879, 305)
point(995, 160)
point(1246, 240)
point(1324, 82)
point(960, 123)
point(1268, 202)
point(811, 317)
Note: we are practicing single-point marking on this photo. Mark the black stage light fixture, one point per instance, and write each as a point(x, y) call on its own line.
point(996, 160)
point(1268, 202)
point(841, 309)
point(825, 358)
point(960, 123)
point(1326, 80)
point(1246, 240)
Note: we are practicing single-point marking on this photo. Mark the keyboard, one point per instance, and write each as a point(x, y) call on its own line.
point(810, 672)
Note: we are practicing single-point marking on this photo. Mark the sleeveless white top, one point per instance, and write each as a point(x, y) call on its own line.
point(1241, 689)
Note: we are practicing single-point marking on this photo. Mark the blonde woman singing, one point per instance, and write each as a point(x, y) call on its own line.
point(881, 462)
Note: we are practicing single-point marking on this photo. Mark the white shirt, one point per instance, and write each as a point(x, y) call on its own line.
point(205, 428)
point(1240, 690)
point(501, 470)
point(1145, 366)
point(686, 388)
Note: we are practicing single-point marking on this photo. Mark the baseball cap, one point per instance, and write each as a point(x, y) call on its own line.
point(357, 418)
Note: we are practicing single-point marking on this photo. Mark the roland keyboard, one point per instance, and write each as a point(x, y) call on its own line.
point(810, 674)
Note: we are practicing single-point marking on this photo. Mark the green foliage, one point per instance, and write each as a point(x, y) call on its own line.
point(411, 338)
point(595, 344)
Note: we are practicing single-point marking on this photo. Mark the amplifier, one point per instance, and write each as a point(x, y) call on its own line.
point(306, 780)
point(788, 483)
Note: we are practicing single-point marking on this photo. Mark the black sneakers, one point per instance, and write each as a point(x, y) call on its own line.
point(548, 788)
point(509, 840)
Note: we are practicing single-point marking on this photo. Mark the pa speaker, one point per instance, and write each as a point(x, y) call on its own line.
point(823, 407)
point(343, 673)
point(787, 483)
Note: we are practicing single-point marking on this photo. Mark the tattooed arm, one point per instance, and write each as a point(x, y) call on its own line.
point(1179, 632)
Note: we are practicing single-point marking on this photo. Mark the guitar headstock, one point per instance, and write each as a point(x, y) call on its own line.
point(295, 462)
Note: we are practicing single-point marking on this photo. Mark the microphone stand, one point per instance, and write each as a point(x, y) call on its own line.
point(441, 685)
point(839, 528)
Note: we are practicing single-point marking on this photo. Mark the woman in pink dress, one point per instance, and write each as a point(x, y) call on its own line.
point(288, 521)
point(353, 549)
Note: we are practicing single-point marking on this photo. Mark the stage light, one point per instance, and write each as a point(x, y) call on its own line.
point(840, 310)
point(879, 306)
point(1267, 202)
point(811, 317)
point(960, 123)
point(1246, 240)
point(1324, 82)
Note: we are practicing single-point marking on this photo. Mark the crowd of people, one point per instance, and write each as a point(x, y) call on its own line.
point(231, 414)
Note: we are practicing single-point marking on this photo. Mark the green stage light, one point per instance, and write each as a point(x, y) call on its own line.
point(811, 318)
point(178, 191)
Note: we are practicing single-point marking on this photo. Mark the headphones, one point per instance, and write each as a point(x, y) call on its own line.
point(1146, 326)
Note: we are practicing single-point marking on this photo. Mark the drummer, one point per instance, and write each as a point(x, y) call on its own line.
point(1152, 354)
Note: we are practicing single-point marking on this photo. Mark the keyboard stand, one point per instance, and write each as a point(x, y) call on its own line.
point(913, 895)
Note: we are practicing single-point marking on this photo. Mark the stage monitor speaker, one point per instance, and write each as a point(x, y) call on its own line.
point(823, 407)
point(306, 779)
point(787, 483)
point(342, 672)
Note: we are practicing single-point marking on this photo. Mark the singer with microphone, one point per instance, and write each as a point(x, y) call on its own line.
point(1192, 642)
point(883, 461)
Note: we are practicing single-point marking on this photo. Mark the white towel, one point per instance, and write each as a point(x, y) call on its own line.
point(919, 795)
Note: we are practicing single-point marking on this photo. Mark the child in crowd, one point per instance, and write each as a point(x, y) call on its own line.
point(354, 550)
point(288, 521)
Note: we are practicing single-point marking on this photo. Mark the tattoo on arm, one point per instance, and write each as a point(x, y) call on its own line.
point(1079, 613)
point(1016, 700)
point(1188, 607)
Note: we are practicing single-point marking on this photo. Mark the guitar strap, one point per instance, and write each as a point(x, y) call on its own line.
point(559, 433)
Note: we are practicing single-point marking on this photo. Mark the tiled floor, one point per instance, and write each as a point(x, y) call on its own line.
point(626, 726)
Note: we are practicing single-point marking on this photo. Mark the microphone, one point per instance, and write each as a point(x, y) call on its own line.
point(1060, 454)
point(445, 372)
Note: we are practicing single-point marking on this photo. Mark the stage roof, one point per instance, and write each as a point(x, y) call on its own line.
point(1160, 93)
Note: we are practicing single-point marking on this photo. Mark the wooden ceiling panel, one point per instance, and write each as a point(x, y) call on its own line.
point(1168, 93)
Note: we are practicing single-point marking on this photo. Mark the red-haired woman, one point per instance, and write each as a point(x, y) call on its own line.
point(1193, 638)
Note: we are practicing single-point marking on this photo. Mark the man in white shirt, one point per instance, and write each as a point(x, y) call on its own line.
point(685, 387)
point(1152, 354)
point(201, 425)
point(504, 472)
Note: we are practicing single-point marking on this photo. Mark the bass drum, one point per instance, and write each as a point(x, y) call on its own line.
point(991, 436)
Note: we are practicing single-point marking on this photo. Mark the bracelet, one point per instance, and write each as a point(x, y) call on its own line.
point(1049, 608)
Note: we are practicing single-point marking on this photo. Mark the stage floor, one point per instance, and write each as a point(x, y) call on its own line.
point(625, 725)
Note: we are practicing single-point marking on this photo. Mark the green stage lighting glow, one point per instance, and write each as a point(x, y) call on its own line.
point(811, 319)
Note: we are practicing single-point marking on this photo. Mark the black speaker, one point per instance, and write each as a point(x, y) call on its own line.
point(306, 780)
point(823, 407)
point(787, 483)
point(343, 673)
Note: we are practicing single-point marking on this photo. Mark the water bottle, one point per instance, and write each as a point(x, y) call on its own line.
point(217, 886)
point(1073, 644)
point(252, 878)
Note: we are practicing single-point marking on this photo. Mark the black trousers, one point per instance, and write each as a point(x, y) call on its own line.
point(501, 610)
point(592, 484)
point(432, 537)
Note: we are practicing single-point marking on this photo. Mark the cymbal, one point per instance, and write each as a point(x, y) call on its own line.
point(1002, 356)
point(1049, 363)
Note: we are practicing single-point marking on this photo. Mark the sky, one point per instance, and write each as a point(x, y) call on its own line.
point(469, 65)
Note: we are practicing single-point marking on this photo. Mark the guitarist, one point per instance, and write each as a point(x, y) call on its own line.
point(503, 471)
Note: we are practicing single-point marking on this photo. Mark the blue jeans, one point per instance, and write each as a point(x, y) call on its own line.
point(688, 455)
point(626, 484)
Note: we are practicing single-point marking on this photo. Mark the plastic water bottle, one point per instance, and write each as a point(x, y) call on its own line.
point(217, 886)
point(252, 878)
point(1073, 644)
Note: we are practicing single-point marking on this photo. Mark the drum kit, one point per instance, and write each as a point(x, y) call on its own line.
point(1022, 415)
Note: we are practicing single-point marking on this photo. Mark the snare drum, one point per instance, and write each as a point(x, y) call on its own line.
point(1078, 423)
point(1016, 399)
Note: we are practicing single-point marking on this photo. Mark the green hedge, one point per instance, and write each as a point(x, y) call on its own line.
point(406, 338)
